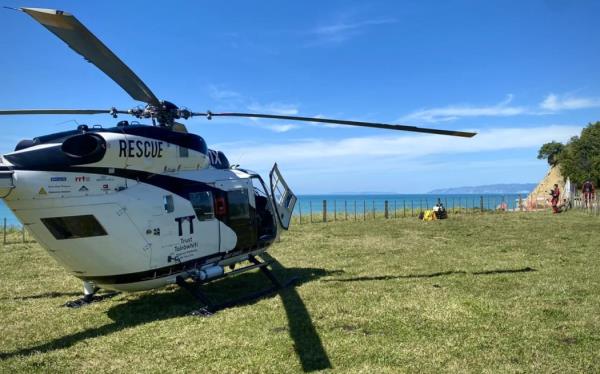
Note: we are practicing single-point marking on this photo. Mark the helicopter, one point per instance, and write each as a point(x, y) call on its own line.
point(138, 206)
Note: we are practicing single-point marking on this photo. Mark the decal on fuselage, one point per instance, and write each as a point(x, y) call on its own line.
point(139, 148)
point(180, 221)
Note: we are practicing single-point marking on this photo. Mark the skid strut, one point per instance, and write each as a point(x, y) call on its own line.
point(210, 308)
point(89, 296)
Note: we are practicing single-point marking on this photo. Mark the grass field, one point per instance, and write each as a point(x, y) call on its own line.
point(475, 293)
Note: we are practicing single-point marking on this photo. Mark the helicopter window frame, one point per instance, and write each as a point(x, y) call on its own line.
point(203, 204)
point(168, 203)
point(184, 152)
point(74, 227)
point(238, 204)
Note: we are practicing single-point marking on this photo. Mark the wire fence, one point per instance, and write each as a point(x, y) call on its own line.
point(12, 233)
point(330, 210)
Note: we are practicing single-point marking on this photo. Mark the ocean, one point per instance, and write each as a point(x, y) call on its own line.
point(398, 202)
point(343, 204)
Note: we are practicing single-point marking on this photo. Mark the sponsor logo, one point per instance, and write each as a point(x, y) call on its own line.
point(58, 179)
point(83, 189)
point(42, 191)
point(186, 244)
point(180, 221)
point(59, 189)
point(104, 178)
point(82, 179)
point(105, 187)
point(139, 148)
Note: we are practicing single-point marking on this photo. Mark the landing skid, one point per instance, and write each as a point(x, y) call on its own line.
point(210, 308)
point(89, 299)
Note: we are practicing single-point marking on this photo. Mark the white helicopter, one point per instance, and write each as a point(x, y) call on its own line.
point(135, 207)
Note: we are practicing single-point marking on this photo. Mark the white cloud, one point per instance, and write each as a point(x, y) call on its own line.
point(388, 151)
point(281, 128)
point(219, 93)
point(453, 112)
point(274, 108)
point(556, 103)
point(342, 30)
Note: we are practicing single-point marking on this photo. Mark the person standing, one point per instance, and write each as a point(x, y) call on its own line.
point(555, 193)
point(588, 193)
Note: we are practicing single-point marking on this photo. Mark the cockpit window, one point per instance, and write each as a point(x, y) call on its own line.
point(203, 205)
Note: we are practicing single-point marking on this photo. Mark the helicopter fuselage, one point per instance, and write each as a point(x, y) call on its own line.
point(132, 207)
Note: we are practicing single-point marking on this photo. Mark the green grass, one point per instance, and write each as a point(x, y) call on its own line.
point(475, 293)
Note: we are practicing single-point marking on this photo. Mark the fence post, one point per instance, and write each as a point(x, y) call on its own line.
point(345, 210)
point(4, 230)
point(334, 210)
point(386, 210)
point(324, 210)
point(412, 208)
point(23, 233)
point(481, 203)
point(311, 218)
point(404, 208)
point(373, 206)
point(395, 210)
point(300, 211)
point(355, 210)
point(520, 203)
point(364, 210)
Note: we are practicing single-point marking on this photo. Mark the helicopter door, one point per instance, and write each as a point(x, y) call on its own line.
point(283, 198)
point(237, 207)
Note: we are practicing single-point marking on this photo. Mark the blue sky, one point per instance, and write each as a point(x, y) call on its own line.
point(519, 73)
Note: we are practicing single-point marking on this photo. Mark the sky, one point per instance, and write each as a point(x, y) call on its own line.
point(518, 73)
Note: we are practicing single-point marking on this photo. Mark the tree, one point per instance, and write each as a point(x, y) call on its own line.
point(550, 151)
point(580, 158)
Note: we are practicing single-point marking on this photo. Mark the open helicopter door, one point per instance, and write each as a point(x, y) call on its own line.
point(283, 198)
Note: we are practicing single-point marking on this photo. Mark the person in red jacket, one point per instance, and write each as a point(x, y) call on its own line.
point(555, 193)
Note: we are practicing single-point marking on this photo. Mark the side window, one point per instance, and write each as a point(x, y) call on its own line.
point(74, 227)
point(203, 205)
point(183, 152)
point(168, 203)
point(238, 204)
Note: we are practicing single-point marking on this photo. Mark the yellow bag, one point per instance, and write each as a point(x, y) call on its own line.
point(429, 215)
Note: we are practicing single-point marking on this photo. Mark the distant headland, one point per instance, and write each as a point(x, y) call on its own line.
point(508, 188)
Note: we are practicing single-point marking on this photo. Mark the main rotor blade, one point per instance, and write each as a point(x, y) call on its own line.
point(345, 122)
point(60, 111)
point(81, 40)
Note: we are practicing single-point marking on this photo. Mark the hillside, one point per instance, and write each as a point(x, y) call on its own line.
point(541, 193)
point(508, 188)
point(469, 294)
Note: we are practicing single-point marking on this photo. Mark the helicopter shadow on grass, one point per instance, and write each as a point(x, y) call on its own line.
point(153, 306)
point(44, 295)
point(432, 275)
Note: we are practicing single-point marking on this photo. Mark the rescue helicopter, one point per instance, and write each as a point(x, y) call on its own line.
point(136, 206)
